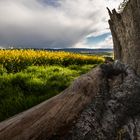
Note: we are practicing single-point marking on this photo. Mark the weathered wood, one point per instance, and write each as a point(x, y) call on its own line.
point(48, 118)
point(125, 29)
point(114, 114)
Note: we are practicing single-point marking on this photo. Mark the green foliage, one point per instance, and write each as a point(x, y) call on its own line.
point(28, 77)
point(22, 90)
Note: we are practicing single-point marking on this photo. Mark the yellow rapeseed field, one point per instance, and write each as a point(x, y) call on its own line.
point(16, 60)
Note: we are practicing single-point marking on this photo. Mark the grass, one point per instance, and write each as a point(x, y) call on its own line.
point(28, 77)
point(22, 90)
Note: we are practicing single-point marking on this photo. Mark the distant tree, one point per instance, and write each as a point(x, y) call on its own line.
point(122, 5)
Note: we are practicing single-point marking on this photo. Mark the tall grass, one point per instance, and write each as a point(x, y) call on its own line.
point(28, 77)
point(22, 90)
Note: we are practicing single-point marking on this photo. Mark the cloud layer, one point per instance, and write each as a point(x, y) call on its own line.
point(52, 23)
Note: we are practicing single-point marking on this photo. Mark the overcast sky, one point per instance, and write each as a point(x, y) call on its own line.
point(55, 23)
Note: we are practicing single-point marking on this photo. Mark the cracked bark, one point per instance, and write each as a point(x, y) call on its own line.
point(109, 116)
point(125, 29)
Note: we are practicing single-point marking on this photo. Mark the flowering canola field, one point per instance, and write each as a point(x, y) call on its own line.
point(16, 60)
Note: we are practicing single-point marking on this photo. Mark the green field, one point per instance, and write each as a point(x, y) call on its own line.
point(23, 86)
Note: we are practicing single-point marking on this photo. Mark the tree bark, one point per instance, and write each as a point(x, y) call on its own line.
point(125, 29)
point(114, 112)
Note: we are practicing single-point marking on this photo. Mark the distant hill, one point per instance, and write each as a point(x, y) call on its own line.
point(106, 51)
point(83, 50)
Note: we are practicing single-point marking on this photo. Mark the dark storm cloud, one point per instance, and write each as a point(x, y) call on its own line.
point(50, 23)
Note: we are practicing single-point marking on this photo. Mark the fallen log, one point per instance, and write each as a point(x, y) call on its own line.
point(54, 116)
point(114, 114)
point(102, 104)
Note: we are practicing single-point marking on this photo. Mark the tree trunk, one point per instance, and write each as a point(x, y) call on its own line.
point(125, 28)
point(114, 113)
